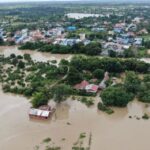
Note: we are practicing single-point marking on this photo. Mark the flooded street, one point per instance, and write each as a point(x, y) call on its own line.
point(109, 132)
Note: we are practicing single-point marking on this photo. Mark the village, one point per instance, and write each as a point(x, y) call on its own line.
point(124, 37)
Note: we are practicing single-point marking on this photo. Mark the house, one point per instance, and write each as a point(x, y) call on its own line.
point(138, 41)
point(110, 32)
point(20, 36)
point(54, 32)
point(122, 41)
point(71, 28)
point(102, 85)
point(118, 30)
point(86, 42)
point(131, 27)
point(98, 29)
point(43, 112)
point(91, 88)
point(1, 33)
point(36, 35)
point(143, 31)
point(82, 85)
point(111, 46)
point(82, 36)
point(120, 25)
point(137, 20)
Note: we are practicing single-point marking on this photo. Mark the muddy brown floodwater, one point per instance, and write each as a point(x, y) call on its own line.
point(109, 132)
point(37, 56)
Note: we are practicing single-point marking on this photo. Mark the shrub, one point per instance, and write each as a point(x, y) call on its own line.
point(145, 116)
point(102, 107)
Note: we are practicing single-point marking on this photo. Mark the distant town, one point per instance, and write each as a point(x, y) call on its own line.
point(121, 31)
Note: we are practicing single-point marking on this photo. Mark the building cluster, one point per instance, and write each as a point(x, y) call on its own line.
point(123, 36)
point(92, 87)
point(119, 36)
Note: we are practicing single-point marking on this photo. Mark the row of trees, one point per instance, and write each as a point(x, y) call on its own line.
point(112, 65)
point(80, 48)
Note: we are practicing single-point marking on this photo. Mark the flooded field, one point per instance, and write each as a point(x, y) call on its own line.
point(37, 56)
point(81, 15)
point(109, 132)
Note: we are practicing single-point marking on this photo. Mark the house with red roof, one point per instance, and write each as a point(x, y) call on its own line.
point(92, 88)
point(82, 85)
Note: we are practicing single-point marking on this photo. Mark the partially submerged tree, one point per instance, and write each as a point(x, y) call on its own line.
point(116, 96)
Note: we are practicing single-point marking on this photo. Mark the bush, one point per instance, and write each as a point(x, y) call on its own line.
point(87, 101)
point(98, 73)
point(102, 107)
point(145, 116)
point(116, 96)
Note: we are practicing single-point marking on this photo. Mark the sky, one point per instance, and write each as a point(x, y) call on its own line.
point(77, 0)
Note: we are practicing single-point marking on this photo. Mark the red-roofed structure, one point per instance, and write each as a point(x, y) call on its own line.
point(82, 85)
point(92, 88)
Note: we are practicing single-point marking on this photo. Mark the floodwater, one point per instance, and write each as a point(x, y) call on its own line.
point(81, 15)
point(35, 55)
point(109, 132)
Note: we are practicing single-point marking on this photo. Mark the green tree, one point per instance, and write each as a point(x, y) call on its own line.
point(39, 99)
point(61, 92)
point(74, 76)
point(21, 64)
point(98, 73)
point(132, 82)
point(116, 96)
point(93, 49)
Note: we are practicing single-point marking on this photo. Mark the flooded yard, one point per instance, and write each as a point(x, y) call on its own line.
point(109, 132)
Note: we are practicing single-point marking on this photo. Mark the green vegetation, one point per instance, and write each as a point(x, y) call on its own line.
point(132, 82)
point(39, 99)
point(88, 101)
point(61, 92)
point(145, 116)
point(90, 49)
point(116, 96)
point(47, 140)
point(144, 92)
point(42, 81)
point(102, 107)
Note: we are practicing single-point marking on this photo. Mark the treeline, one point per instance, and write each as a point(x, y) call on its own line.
point(113, 65)
point(80, 48)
